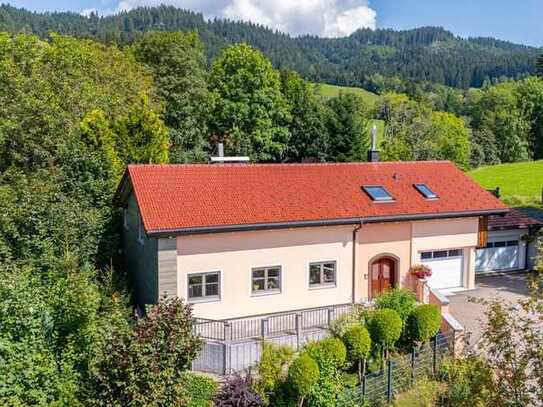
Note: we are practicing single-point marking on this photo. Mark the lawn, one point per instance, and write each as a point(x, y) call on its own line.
point(330, 91)
point(520, 183)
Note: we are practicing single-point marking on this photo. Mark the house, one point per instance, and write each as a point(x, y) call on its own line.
point(511, 245)
point(239, 240)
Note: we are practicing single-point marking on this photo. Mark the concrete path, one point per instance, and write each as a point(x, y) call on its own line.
point(510, 288)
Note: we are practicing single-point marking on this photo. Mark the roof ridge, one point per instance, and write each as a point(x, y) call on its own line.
point(331, 164)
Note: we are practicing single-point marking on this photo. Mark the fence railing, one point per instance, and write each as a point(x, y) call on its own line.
point(269, 325)
point(235, 344)
point(402, 371)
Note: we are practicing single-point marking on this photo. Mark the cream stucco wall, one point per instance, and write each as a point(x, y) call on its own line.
point(235, 254)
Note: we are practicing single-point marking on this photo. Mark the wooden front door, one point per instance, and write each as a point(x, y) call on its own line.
point(383, 274)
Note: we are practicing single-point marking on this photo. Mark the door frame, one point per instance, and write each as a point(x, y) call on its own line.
point(395, 260)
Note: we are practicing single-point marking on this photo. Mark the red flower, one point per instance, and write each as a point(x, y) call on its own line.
point(421, 271)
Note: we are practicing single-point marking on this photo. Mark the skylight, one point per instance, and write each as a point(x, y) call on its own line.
point(426, 191)
point(377, 193)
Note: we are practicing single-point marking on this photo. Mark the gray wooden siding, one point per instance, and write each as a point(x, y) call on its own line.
point(140, 259)
point(167, 267)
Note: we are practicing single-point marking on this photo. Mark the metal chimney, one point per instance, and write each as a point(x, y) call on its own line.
point(221, 159)
point(373, 154)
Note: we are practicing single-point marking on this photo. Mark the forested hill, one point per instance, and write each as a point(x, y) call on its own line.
point(423, 54)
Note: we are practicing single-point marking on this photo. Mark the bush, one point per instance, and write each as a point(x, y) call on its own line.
point(303, 374)
point(400, 300)
point(423, 323)
point(156, 351)
point(238, 391)
point(199, 388)
point(339, 326)
point(358, 343)
point(330, 355)
point(469, 382)
point(385, 328)
point(272, 369)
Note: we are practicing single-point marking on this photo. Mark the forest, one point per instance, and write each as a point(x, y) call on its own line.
point(75, 111)
point(361, 59)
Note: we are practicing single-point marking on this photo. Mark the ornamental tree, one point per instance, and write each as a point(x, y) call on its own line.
point(357, 340)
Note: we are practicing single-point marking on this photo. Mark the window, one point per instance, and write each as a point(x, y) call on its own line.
point(266, 280)
point(509, 243)
point(125, 218)
point(322, 274)
point(377, 193)
point(440, 254)
point(204, 286)
point(425, 191)
point(141, 230)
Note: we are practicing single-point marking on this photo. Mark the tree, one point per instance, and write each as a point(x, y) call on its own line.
point(348, 126)
point(529, 95)
point(308, 131)
point(385, 328)
point(539, 66)
point(142, 137)
point(303, 374)
point(423, 323)
point(250, 113)
point(452, 138)
point(177, 61)
point(358, 343)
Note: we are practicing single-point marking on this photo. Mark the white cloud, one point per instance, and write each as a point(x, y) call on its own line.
point(330, 18)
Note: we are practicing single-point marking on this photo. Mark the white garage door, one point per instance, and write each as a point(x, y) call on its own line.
point(446, 267)
point(498, 256)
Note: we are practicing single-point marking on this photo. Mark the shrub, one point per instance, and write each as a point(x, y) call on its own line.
point(423, 323)
point(272, 369)
point(303, 374)
point(469, 382)
point(339, 326)
point(330, 355)
point(385, 328)
point(400, 300)
point(199, 388)
point(238, 391)
point(156, 351)
point(358, 343)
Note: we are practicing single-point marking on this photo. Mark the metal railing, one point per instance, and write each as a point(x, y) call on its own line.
point(269, 325)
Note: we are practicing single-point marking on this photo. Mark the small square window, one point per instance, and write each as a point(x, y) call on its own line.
point(425, 191)
point(204, 286)
point(322, 274)
point(512, 243)
point(377, 193)
point(266, 280)
point(441, 254)
point(455, 253)
point(499, 244)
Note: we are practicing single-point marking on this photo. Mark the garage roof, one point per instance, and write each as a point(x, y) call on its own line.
point(515, 219)
point(197, 198)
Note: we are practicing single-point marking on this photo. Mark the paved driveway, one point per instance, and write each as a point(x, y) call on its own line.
point(508, 287)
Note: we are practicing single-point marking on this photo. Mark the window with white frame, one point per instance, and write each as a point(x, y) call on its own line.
point(141, 230)
point(322, 274)
point(266, 280)
point(204, 286)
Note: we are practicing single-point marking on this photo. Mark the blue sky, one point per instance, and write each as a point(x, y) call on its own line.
point(520, 21)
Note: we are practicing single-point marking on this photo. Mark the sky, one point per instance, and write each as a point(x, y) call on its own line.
point(520, 21)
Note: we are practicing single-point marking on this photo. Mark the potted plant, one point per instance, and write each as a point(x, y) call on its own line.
point(421, 271)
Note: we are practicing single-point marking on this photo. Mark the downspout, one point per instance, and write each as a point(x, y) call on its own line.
point(355, 230)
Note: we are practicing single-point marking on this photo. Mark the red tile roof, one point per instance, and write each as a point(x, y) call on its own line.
point(173, 197)
point(515, 219)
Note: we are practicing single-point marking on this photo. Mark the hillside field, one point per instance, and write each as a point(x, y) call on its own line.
point(520, 183)
point(329, 91)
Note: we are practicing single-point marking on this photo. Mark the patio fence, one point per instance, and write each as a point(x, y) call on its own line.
point(235, 344)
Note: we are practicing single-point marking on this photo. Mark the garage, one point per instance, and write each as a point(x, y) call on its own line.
point(447, 268)
point(501, 254)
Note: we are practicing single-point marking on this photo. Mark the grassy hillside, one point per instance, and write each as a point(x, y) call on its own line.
point(330, 91)
point(520, 183)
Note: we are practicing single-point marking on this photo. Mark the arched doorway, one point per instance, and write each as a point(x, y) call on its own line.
point(382, 275)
